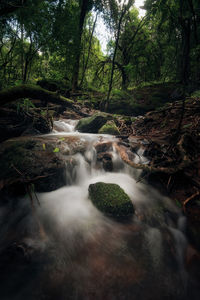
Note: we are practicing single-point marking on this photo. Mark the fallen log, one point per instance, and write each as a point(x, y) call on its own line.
point(33, 92)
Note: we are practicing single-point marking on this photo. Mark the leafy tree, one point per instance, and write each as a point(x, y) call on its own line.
point(179, 20)
point(117, 13)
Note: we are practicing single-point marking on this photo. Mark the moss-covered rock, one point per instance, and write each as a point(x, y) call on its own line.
point(92, 124)
point(111, 199)
point(38, 160)
point(16, 121)
point(109, 128)
point(29, 160)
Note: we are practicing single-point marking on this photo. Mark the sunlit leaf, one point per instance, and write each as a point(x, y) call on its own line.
point(56, 150)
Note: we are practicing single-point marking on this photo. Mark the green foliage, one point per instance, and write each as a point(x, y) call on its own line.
point(24, 104)
point(196, 94)
point(43, 40)
point(178, 203)
point(187, 125)
point(56, 150)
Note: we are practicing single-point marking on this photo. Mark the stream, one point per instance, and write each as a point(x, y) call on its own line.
point(67, 249)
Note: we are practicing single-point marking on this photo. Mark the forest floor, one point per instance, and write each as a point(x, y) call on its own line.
point(134, 101)
point(163, 129)
point(170, 137)
point(171, 140)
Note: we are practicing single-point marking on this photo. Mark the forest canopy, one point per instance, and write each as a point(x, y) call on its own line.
point(55, 40)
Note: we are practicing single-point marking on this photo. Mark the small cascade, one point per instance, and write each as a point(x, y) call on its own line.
point(90, 256)
point(64, 126)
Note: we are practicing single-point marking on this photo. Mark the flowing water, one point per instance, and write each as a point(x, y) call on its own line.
point(82, 254)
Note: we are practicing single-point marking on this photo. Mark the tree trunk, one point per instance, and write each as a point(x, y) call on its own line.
point(29, 56)
point(125, 81)
point(186, 34)
point(25, 70)
point(89, 50)
point(113, 60)
point(185, 63)
point(84, 7)
point(22, 50)
point(194, 21)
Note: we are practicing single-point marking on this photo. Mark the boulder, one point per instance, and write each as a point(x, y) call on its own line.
point(15, 122)
point(41, 161)
point(111, 199)
point(27, 160)
point(106, 159)
point(103, 146)
point(92, 124)
point(109, 128)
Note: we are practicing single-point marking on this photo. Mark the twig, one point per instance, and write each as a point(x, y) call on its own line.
point(30, 193)
point(28, 180)
point(168, 183)
point(142, 177)
point(189, 199)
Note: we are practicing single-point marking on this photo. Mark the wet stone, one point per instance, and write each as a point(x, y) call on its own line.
point(111, 199)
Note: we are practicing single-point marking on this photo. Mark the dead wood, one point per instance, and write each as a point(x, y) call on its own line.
point(184, 162)
point(189, 199)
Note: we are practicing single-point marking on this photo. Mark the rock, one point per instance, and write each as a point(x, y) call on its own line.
point(92, 124)
point(111, 199)
point(192, 261)
point(107, 163)
point(30, 131)
point(26, 160)
point(54, 85)
point(15, 122)
point(70, 114)
point(106, 159)
point(109, 128)
point(103, 146)
point(38, 160)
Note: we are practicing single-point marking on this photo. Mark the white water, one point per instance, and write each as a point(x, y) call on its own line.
point(94, 257)
point(70, 204)
point(72, 211)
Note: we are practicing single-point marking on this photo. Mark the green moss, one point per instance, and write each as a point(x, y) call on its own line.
point(32, 92)
point(25, 159)
point(196, 94)
point(92, 124)
point(142, 99)
point(13, 158)
point(111, 199)
point(109, 128)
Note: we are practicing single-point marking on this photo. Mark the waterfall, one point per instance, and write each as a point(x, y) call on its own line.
point(87, 255)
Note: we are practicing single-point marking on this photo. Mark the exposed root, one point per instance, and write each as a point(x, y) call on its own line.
point(184, 163)
point(189, 199)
